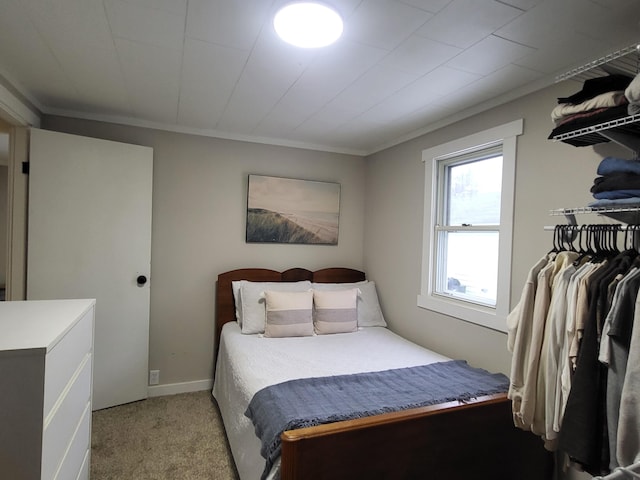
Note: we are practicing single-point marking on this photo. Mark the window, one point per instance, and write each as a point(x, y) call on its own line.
point(467, 226)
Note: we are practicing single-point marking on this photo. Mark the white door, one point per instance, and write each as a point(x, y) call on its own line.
point(90, 237)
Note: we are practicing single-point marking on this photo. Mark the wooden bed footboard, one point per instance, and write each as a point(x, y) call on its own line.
point(452, 441)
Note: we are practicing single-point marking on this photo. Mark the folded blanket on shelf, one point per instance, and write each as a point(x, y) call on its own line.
point(608, 99)
point(596, 86)
point(615, 203)
point(613, 165)
point(613, 194)
point(616, 181)
point(583, 116)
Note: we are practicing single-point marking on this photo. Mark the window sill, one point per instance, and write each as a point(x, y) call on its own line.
point(477, 314)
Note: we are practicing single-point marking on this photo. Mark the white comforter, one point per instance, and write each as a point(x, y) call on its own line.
point(248, 363)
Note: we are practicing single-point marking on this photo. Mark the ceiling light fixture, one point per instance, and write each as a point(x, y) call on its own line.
point(308, 24)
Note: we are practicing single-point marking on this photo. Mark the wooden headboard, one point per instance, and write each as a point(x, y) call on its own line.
point(225, 307)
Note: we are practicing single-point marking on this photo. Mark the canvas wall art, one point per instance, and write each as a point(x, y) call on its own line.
point(287, 210)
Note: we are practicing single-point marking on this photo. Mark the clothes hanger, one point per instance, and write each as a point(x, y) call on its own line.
point(613, 238)
point(598, 243)
point(584, 244)
point(556, 239)
point(570, 234)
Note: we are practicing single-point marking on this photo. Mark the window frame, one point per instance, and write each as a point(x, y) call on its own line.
point(443, 226)
point(505, 135)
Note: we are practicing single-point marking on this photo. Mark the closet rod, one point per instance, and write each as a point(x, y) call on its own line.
point(620, 228)
point(632, 471)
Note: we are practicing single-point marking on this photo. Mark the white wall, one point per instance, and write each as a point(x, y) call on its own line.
point(199, 203)
point(199, 207)
point(549, 175)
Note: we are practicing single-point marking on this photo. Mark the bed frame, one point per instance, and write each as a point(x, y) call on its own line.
point(453, 441)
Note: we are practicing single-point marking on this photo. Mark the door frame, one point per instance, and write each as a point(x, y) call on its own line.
point(17, 192)
point(17, 115)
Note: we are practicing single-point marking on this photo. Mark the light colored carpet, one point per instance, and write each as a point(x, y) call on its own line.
point(173, 437)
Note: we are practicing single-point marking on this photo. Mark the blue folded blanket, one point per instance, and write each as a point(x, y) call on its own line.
point(314, 401)
point(611, 165)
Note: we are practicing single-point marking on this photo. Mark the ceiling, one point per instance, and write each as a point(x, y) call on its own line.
point(215, 67)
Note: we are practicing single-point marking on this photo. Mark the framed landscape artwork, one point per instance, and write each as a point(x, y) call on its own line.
point(287, 210)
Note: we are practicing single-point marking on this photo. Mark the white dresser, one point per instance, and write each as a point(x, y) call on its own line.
point(46, 373)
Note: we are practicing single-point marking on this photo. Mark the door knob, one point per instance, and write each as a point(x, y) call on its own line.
point(141, 280)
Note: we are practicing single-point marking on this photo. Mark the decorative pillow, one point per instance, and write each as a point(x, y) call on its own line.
point(289, 314)
point(369, 311)
point(253, 302)
point(235, 286)
point(335, 311)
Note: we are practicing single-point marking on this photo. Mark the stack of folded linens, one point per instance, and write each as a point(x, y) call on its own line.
point(601, 99)
point(618, 183)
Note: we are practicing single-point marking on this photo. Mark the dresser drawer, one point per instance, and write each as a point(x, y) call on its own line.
point(84, 473)
point(72, 464)
point(65, 418)
point(65, 357)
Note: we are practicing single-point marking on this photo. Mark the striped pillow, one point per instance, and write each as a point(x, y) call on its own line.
point(289, 314)
point(252, 305)
point(335, 311)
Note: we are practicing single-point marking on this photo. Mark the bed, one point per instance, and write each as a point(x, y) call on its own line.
point(457, 439)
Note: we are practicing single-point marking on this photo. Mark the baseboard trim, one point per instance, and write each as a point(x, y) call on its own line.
point(182, 387)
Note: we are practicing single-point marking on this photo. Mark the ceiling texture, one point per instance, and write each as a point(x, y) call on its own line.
point(216, 67)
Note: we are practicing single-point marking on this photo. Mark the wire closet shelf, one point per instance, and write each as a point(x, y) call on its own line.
point(592, 210)
point(625, 130)
point(624, 61)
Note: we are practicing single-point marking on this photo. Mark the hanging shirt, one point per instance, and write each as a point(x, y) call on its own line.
point(532, 393)
point(583, 435)
point(554, 334)
point(524, 323)
point(565, 367)
point(628, 438)
point(614, 352)
point(582, 311)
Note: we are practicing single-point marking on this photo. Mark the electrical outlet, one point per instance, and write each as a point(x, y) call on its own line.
point(154, 377)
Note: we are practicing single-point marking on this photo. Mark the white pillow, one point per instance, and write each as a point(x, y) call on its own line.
point(253, 302)
point(235, 286)
point(289, 314)
point(369, 311)
point(335, 311)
